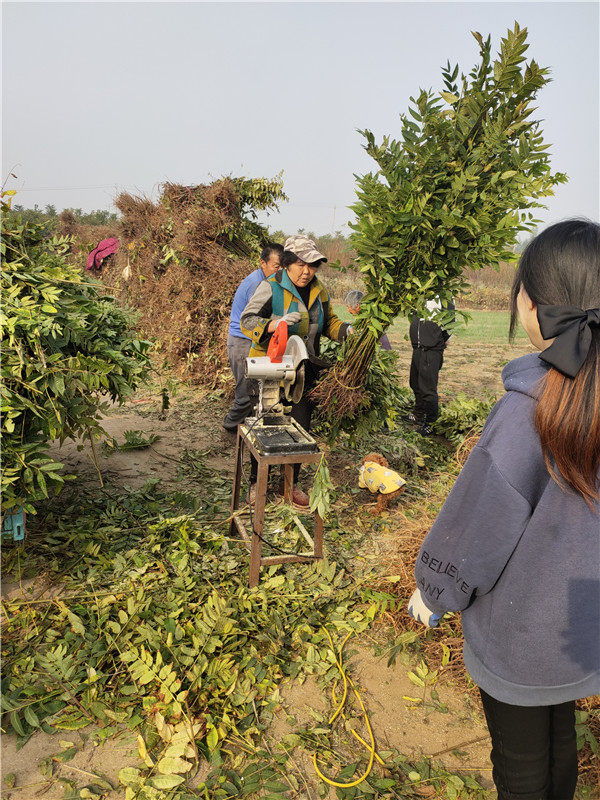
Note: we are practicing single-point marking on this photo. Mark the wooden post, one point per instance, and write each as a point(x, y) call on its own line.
point(258, 519)
point(288, 486)
point(237, 480)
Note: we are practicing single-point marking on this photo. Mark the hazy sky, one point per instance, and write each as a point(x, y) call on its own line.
point(102, 97)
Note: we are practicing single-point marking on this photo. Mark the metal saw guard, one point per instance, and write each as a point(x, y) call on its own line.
point(283, 365)
point(296, 350)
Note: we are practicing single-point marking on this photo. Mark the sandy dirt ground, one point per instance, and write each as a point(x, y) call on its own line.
point(458, 738)
point(473, 369)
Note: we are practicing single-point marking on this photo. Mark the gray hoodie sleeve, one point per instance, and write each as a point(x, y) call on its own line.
point(473, 536)
point(255, 318)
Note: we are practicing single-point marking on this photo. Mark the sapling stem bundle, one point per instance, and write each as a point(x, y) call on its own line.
point(453, 192)
point(341, 390)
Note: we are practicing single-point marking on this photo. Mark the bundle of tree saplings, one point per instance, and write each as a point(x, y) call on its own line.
point(452, 193)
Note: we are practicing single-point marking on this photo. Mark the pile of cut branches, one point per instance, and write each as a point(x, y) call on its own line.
point(153, 628)
point(452, 193)
point(181, 260)
point(380, 405)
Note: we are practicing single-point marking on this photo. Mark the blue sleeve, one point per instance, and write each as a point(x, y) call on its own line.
point(243, 294)
point(240, 299)
point(473, 536)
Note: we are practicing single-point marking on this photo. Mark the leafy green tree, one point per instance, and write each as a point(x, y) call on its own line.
point(277, 236)
point(254, 195)
point(98, 217)
point(453, 192)
point(66, 346)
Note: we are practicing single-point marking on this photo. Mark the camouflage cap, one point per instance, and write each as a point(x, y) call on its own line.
point(304, 248)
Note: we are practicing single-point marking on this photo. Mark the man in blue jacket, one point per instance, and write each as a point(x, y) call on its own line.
point(238, 345)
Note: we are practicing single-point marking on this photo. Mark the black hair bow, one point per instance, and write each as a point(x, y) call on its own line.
point(570, 328)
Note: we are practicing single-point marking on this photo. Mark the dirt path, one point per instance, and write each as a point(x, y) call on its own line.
point(450, 729)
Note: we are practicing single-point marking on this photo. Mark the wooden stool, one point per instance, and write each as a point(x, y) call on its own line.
point(255, 542)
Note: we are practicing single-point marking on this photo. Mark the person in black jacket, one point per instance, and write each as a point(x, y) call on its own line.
point(428, 341)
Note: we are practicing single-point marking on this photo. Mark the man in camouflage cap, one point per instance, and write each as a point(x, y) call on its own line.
point(304, 248)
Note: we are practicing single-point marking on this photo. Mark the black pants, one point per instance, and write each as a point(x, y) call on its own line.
point(424, 370)
point(534, 750)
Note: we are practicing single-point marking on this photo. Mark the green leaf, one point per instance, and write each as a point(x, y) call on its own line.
point(449, 97)
point(129, 776)
point(66, 755)
point(76, 623)
point(169, 765)
point(9, 780)
point(72, 723)
point(275, 786)
point(31, 716)
point(16, 723)
point(166, 781)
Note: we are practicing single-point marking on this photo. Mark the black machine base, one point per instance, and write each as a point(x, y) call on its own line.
point(288, 437)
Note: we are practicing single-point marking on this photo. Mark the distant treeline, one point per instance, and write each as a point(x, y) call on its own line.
point(50, 214)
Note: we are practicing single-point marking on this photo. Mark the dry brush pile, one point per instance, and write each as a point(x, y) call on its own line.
point(181, 260)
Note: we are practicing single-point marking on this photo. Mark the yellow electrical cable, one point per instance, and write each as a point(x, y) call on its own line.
point(360, 739)
point(371, 748)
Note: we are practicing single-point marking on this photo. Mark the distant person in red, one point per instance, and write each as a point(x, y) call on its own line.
point(106, 248)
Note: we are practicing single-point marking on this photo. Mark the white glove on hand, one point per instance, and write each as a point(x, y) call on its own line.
point(419, 611)
point(292, 318)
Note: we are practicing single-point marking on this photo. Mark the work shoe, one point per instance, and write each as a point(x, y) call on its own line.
point(300, 500)
point(425, 429)
point(411, 418)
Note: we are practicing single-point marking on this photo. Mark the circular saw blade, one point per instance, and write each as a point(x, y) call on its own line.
point(296, 350)
point(294, 390)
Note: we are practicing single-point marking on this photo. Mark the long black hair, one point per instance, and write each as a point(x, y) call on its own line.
point(561, 267)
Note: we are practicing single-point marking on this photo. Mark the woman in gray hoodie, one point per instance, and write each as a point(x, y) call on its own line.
point(516, 546)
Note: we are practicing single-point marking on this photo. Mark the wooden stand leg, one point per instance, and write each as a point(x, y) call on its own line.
point(254, 541)
point(288, 485)
point(237, 480)
point(258, 518)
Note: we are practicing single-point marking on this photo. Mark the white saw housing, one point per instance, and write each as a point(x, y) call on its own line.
point(288, 374)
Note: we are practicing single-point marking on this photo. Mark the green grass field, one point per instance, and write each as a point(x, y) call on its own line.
point(484, 326)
